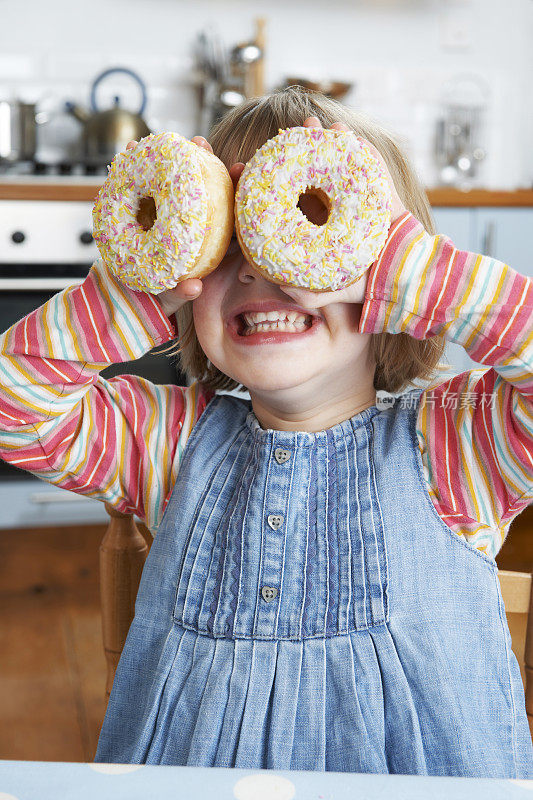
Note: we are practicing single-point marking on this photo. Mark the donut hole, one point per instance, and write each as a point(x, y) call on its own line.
point(314, 205)
point(146, 212)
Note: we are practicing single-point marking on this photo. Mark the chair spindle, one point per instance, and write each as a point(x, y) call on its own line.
point(122, 555)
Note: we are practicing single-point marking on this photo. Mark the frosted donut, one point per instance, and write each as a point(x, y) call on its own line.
point(278, 239)
point(164, 213)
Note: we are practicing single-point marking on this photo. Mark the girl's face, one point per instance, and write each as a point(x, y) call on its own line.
point(323, 371)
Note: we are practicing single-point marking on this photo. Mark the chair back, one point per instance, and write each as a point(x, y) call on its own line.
point(517, 598)
point(122, 555)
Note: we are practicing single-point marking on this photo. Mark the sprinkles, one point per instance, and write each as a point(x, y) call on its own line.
point(279, 238)
point(165, 167)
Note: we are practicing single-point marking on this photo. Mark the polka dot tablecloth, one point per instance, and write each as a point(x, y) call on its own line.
point(35, 780)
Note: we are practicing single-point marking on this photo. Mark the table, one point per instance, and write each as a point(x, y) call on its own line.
point(36, 780)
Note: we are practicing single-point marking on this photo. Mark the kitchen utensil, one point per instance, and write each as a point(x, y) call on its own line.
point(335, 89)
point(457, 152)
point(224, 81)
point(18, 130)
point(224, 98)
point(256, 71)
point(241, 58)
point(212, 71)
point(107, 132)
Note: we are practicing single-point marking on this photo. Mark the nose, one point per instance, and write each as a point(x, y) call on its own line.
point(247, 273)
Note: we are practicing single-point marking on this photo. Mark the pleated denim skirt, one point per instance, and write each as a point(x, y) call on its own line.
point(304, 606)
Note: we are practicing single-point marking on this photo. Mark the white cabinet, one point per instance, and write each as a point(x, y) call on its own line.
point(33, 503)
point(502, 233)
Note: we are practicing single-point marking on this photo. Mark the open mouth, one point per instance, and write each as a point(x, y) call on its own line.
point(289, 322)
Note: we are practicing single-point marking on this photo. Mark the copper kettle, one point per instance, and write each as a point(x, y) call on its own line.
point(107, 132)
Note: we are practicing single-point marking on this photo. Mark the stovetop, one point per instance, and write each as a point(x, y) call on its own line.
point(61, 169)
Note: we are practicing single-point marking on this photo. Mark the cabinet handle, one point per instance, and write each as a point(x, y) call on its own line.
point(487, 245)
point(46, 498)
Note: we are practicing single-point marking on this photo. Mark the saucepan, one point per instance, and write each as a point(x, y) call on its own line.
point(18, 130)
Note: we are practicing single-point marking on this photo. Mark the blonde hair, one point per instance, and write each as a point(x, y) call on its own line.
point(400, 358)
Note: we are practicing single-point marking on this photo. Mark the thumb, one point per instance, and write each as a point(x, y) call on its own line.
point(173, 299)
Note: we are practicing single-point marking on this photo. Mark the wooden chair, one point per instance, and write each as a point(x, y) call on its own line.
point(518, 600)
point(123, 552)
point(122, 555)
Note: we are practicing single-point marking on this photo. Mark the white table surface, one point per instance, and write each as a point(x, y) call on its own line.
point(34, 780)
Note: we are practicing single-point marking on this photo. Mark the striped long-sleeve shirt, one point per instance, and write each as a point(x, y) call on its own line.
point(121, 440)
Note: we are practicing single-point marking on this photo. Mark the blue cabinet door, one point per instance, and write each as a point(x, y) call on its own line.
point(504, 234)
point(459, 225)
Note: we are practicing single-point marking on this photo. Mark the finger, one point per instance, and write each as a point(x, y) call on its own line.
point(375, 152)
point(201, 142)
point(312, 122)
point(191, 287)
point(235, 172)
point(187, 289)
point(340, 126)
point(131, 144)
point(304, 297)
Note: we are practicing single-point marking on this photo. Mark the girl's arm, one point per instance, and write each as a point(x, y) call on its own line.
point(475, 430)
point(117, 440)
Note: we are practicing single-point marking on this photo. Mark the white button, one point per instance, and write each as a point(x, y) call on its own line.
point(269, 593)
point(275, 521)
point(281, 455)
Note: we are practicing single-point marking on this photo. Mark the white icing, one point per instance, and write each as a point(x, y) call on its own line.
point(281, 240)
point(165, 167)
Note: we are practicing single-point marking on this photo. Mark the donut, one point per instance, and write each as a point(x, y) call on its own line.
point(164, 213)
point(280, 241)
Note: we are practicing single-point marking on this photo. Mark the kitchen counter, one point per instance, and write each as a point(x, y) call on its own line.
point(81, 188)
point(28, 187)
point(446, 196)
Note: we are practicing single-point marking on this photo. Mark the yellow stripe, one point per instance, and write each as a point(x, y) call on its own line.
point(471, 490)
point(470, 287)
point(421, 280)
point(149, 436)
point(166, 465)
point(31, 381)
point(518, 489)
point(72, 329)
point(105, 291)
point(27, 404)
point(194, 401)
point(478, 330)
point(395, 294)
point(524, 348)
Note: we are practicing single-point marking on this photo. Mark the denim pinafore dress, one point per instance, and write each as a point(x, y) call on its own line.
point(303, 606)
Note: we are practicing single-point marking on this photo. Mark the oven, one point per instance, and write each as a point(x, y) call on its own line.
point(46, 245)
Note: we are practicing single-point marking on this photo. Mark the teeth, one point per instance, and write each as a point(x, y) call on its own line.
point(276, 326)
point(274, 316)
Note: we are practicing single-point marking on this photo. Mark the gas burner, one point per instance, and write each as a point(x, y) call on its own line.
point(39, 168)
point(60, 168)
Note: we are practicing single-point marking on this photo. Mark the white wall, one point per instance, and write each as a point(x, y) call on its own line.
point(399, 53)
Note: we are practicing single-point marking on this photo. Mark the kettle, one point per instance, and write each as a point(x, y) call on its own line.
point(107, 132)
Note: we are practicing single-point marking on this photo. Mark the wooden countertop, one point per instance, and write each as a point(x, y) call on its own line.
point(444, 196)
point(85, 190)
point(48, 189)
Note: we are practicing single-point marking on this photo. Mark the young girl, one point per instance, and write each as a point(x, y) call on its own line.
point(321, 593)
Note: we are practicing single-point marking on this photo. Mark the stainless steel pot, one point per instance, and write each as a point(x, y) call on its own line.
point(18, 131)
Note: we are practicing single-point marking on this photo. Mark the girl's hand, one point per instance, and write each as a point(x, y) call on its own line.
point(173, 299)
point(355, 293)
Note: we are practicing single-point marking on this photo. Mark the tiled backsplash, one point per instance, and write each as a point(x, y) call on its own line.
point(400, 55)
